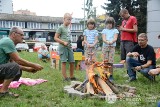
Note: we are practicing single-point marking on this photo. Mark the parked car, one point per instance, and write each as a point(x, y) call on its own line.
point(37, 46)
point(22, 47)
point(53, 46)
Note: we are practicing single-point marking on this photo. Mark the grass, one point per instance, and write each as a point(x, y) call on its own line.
point(51, 94)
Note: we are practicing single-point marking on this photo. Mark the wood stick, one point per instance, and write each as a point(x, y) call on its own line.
point(107, 90)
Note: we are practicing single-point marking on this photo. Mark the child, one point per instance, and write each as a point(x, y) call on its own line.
point(62, 36)
point(109, 36)
point(90, 40)
point(43, 53)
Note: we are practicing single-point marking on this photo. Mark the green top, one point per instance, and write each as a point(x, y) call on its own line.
point(65, 34)
point(6, 46)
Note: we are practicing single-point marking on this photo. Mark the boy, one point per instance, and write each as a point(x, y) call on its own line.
point(65, 51)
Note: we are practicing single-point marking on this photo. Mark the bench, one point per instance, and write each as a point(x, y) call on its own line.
point(56, 63)
point(118, 65)
point(79, 61)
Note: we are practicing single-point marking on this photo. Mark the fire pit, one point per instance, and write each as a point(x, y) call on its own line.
point(98, 85)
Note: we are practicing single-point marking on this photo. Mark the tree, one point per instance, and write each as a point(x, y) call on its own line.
point(136, 8)
point(91, 11)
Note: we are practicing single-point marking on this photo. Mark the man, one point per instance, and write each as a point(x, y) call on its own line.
point(11, 64)
point(142, 59)
point(128, 30)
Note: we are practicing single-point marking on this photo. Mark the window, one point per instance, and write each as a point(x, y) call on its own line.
point(0, 23)
point(73, 38)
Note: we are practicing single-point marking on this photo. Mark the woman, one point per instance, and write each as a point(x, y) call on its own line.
point(80, 43)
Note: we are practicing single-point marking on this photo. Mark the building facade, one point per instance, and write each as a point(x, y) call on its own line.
point(6, 6)
point(153, 22)
point(38, 26)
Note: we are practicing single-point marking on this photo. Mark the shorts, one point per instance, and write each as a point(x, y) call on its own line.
point(90, 50)
point(9, 71)
point(66, 54)
point(108, 53)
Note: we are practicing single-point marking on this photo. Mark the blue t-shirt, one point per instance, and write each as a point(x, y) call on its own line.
point(6, 46)
point(90, 35)
point(109, 33)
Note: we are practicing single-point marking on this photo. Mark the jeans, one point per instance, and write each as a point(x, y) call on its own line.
point(80, 50)
point(40, 56)
point(131, 63)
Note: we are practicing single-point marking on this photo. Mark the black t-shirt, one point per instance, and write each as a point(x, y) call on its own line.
point(145, 54)
point(79, 44)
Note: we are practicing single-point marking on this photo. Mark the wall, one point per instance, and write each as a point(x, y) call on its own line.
point(153, 22)
point(6, 6)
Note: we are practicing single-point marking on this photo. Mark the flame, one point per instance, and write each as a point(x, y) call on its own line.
point(103, 69)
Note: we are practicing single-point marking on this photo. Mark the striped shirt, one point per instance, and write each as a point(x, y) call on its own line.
point(90, 35)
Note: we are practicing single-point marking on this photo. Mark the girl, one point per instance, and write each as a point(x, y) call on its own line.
point(109, 36)
point(90, 40)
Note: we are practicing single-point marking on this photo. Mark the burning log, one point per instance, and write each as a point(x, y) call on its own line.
point(100, 85)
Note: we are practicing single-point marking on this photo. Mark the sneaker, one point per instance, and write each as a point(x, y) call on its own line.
point(66, 79)
point(125, 76)
point(131, 80)
point(152, 79)
point(73, 79)
point(10, 94)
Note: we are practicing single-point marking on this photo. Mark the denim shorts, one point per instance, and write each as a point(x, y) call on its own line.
point(66, 54)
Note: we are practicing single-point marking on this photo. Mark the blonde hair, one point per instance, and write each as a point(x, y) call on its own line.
point(67, 15)
point(91, 21)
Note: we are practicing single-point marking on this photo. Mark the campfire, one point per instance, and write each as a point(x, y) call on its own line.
point(98, 84)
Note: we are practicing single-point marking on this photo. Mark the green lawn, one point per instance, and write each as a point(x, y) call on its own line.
point(51, 94)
